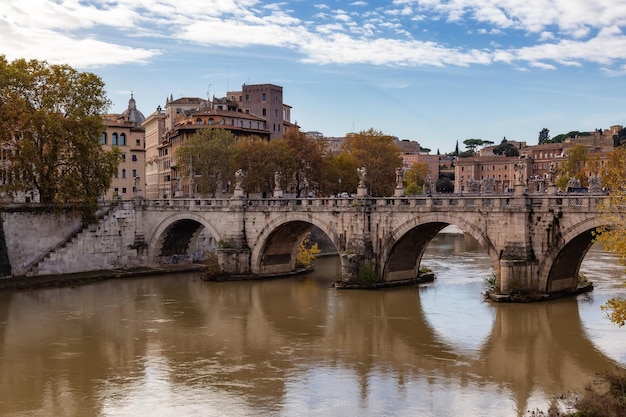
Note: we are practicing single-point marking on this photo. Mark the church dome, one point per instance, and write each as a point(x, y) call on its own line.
point(132, 114)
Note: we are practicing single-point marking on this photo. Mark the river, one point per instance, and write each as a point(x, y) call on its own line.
point(178, 346)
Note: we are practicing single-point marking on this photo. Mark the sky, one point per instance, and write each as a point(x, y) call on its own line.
point(434, 71)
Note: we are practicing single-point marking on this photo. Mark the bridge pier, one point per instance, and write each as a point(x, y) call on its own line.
point(516, 276)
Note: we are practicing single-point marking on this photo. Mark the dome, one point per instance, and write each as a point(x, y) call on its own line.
point(132, 114)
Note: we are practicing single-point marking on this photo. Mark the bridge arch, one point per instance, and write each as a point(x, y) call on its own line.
point(274, 250)
point(177, 234)
point(561, 264)
point(402, 251)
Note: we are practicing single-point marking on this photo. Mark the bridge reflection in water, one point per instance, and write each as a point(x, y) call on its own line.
point(179, 346)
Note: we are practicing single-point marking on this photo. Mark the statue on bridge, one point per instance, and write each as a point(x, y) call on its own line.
point(238, 178)
point(399, 177)
point(595, 184)
point(362, 173)
point(277, 177)
point(552, 174)
point(473, 186)
point(518, 173)
point(487, 186)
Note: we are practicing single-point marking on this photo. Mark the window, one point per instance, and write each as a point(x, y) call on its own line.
point(114, 139)
point(264, 112)
point(138, 142)
point(247, 97)
point(134, 158)
point(124, 173)
point(123, 139)
point(124, 157)
point(198, 121)
point(263, 97)
point(124, 190)
point(134, 173)
point(103, 138)
point(211, 121)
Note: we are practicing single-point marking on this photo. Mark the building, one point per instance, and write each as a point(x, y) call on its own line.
point(539, 161)
point(266, 101)
point(499, 168)
point(125, 132)
point(257, 110)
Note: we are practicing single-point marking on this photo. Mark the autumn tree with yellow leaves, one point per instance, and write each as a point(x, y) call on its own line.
point(612, 233)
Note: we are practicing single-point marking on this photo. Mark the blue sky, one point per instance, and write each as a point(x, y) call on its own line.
point(435, 71)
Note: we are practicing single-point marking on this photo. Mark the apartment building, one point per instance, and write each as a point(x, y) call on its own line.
point(125, 132)
point(538, 160)
point(266, 101)
point(168, 128)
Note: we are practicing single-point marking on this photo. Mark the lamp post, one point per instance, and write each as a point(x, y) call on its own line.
point(191, 183)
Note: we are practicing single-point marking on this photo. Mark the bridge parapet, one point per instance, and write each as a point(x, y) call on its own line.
point(419, 203)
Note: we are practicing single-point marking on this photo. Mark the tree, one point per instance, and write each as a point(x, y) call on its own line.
point(380, 156)
point(620, 138)
point(577, 157)
point(563, 136)
point(339, 174)
point(544, 136)
point(211, 154)
point(506, 148)
point(306, 252)
point(473, 144)
point(305, 169)
point(444, 185)
point(416, 177)
point(612, 233)
point(259, 160)
point(51, 129)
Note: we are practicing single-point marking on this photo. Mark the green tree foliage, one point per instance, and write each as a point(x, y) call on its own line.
point(254, 157)
point(51, 128)
point(444, 185)
point(544, 136)
point(415, 178)
point(577, 157)
point(612, 233)
point(506, 148)
point(260, 159)
point(473, 144)
point(620, 138)
point(339, 174)
point(380, 156)
point(304, 166)
point(569, 135)
point(211, 154)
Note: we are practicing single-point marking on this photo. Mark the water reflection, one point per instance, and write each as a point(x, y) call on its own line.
point(175, 345)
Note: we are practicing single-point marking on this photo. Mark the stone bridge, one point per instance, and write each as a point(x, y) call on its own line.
point(536, 242)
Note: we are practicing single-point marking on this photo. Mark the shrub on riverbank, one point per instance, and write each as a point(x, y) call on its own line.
point(604, 397)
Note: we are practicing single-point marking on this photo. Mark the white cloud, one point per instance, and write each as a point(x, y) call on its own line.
point(542, 65)
point(567, 32)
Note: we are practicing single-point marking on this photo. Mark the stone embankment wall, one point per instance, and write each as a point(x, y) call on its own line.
point(40, 243)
